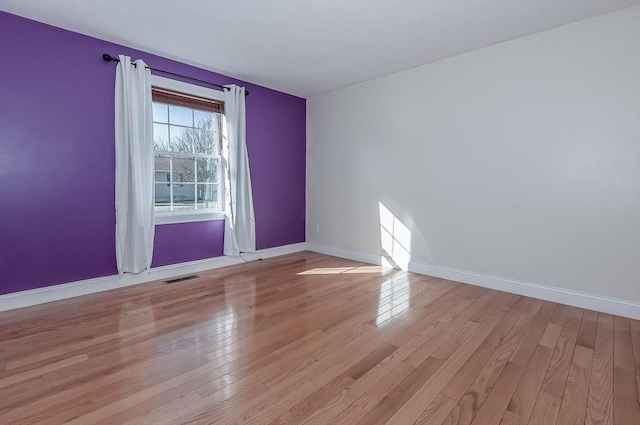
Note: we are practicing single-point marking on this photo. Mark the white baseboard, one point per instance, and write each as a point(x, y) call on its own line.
point(548, 293)
point(99, 284)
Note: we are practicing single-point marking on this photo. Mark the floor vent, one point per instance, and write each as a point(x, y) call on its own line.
point(180, 279)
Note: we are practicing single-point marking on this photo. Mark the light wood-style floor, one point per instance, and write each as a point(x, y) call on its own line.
point(312, 339)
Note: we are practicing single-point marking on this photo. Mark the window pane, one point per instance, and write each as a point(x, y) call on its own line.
point(184, 197)
point(181, 139)
point(180, 116)
point(161, 164)
point(162, 177)
point(161, 137)
point(207, 170)
point(202, 119)
point(204, 141)
point(163, 197)
point(160, 112)
point(207, 196)
point(184, 170)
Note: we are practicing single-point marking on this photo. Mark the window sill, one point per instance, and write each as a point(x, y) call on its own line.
point(190, 217)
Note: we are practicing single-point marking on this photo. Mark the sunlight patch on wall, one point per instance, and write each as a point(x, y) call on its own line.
point(395, 239)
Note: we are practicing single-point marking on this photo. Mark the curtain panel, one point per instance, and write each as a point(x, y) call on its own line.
point(134, 166)
point(239, 223)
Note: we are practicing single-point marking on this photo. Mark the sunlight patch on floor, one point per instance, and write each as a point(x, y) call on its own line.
point(345, 270)
point(395, 294)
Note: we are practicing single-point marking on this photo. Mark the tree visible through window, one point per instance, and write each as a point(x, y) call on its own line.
point(187, 143)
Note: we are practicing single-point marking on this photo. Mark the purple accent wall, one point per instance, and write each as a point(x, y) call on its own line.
point(178, 243)
point(57, 183)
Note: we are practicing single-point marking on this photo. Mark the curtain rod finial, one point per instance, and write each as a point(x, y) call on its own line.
point(107, 57)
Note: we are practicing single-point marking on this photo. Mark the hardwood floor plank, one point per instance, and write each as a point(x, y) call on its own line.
point(495, 303)
point(498, 400)
point(435, 309)
point(559, 314)
point(524, 398)
point(600, 401)
point(478, 391)
point(437, 411)
point(414, 407)
point(456, 387)
point(622, 344)
point(533, 335)
point(455, 341)
point(311, 403)
point(287, 366)
point(39, 371)
point(556, 377)
point(385, 385)
point(573, 408)
point(400, 394)
point(546, 409)
point(158, 409)
point(356, 410)
point(550, 336)
point(359, 369)
point(635, 341)
point(626, 403)
point(441, 332)
point(510, 418)
point(587, 333)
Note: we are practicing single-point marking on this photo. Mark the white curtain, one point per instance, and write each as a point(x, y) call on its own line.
point(239, 223)
point(134, 167)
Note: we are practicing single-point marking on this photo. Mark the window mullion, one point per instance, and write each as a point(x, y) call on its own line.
point(195, 178)
point(170, 183)
point(185, 154)
point(193, 129)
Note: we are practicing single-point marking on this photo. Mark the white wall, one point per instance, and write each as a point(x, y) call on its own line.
point(520, 160)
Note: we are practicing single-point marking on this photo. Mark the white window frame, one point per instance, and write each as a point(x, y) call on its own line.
point(182, 216)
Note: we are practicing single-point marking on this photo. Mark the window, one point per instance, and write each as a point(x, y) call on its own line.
point(187, 134)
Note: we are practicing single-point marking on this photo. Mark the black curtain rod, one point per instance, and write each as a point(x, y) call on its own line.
point(108, 58)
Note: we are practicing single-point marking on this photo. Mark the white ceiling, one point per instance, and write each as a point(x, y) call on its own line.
point(308, 47)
